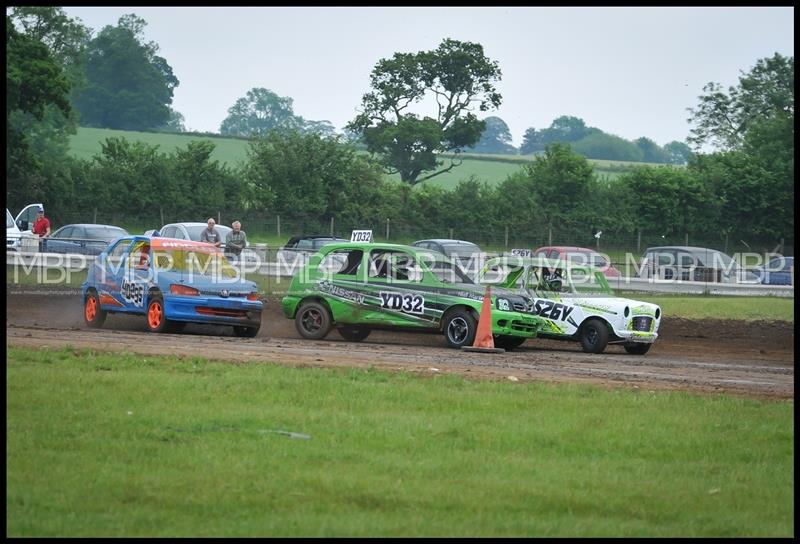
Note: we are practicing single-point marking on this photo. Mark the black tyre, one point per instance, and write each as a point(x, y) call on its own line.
point(459, 328)
point(156, 318)
point(245, 332)
point(92, 314)
point(637, 349)
point(313, 320)
point(353, 334)
point(594, 336)
point(508, 343)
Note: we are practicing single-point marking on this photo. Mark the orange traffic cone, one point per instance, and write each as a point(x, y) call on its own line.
point(484, 341)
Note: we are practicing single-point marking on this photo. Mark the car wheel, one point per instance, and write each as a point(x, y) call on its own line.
point(637, 349)
point(353, 334)
point(92, 314)
point(460, 328)
point(509, 343)
point(156, 318)
point(313, 321)
point(245, 332)
point(594, 336)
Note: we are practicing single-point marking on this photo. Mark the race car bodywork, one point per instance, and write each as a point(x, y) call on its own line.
point(172, 282)
point(577, 302)
point(358, 287)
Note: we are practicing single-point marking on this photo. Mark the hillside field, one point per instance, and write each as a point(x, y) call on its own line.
point(489, 168)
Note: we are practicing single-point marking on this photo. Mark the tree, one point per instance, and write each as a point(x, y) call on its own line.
point(723, 119)
point(34, 83)
point(496, 138)
point(457, 75)
point(322, 128)
point(599, 145)
point(651, 151)
point(531, 142)
point(677, 152)
point(175, 123)
point(129, 87)
point(259, 112)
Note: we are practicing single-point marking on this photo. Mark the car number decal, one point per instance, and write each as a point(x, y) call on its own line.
point(133, 292)
point(410, 304)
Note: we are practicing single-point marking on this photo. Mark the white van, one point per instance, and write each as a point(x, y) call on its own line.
point(19, 226)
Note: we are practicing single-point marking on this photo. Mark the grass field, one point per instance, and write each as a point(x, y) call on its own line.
point(489, 168)
point(124, 445)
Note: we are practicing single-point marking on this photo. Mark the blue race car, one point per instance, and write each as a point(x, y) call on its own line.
point(172, 282)
point(778, 271)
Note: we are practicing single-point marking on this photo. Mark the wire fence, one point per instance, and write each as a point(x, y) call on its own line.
point(277, 229)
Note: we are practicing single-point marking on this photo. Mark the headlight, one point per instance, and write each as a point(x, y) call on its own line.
point(503, 304)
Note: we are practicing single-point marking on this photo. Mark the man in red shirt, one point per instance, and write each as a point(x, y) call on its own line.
point(41, 227)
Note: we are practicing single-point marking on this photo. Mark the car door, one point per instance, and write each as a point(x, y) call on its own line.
point(27, 216)
point(109, 272)
point(395, 277)
point(60, 241)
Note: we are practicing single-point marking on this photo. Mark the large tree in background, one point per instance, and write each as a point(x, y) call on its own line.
point(128, 86)
point(677, 152)
point(458, 76)
point(259, 112)
point(496, 138)
point(764, 94)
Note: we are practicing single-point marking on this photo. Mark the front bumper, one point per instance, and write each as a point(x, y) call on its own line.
point(516, 324)
point(214, 310)
point(637, 336)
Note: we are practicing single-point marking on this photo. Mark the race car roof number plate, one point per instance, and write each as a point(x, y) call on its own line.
point(361, 236)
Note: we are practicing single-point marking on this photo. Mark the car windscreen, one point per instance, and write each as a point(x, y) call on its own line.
point(587, 258)
point(196, 262)
point(462, 251)
point(106, 234)
point(447, 271)
point(196, 230)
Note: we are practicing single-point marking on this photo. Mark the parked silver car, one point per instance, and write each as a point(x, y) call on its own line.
point(688, 263)
point(468, 255)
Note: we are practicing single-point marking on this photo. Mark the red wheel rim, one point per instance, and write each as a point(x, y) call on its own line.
point(91, 308)
point(154, 315)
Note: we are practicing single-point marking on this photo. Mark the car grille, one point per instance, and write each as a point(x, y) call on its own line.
point(522, 326)
point(520, 307)
point(642, 323)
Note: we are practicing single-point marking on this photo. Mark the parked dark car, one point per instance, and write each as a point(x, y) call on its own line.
point(779, 270)
point(82, 238)
point(468, 255)
point(305, 245)
point(688, 263)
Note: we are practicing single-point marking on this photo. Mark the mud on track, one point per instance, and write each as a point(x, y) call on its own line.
point(753, 359)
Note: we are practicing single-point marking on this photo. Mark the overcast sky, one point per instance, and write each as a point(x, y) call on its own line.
point(628, 71)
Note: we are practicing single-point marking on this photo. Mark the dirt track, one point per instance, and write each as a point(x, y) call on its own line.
point(754, 359)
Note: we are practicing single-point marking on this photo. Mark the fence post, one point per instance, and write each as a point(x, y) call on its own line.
point(331, 226)
point(160, 211)
point(451, 234)
point(506, 236)
point(279, 226)
point(549, 236)
point(387, 229)
point(95, 217)
point(687, 239)
point(219, 217)
point(639, 242)
point(725, 251)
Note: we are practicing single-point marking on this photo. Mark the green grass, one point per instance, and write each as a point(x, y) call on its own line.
point(768, 308)
point(128, 445)
point(486, 167)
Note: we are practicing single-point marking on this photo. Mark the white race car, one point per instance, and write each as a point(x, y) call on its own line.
point(577, 302)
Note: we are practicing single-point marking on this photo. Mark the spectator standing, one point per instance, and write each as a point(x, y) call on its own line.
point(210, 234)
point(236, 240)
point(41, 227)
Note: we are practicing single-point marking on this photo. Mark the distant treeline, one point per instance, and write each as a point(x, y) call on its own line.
point(306, 175)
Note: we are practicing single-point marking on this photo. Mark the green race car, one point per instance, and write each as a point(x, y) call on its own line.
point(359, 287)
point(577, 302)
